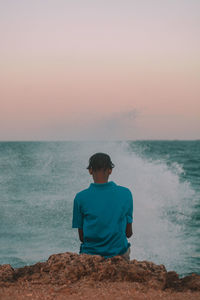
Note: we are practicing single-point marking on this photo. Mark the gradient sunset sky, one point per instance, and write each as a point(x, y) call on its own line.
point(79, 69)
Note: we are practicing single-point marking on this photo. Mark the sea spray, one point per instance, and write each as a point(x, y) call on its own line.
point(39, 181)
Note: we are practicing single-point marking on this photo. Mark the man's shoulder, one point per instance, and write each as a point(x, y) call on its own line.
point(83, 193)
point(123, 188)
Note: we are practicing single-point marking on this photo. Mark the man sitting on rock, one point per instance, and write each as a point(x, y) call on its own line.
point(103, 212)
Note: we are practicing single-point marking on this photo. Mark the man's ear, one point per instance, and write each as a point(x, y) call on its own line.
point(109, 171)
point(90, 171)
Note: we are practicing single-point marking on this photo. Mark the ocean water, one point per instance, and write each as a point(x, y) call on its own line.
point(38, 181)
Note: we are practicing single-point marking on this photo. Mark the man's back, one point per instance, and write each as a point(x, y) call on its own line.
point(103, 211)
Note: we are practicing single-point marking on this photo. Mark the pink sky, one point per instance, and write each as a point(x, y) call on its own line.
point(99, 69)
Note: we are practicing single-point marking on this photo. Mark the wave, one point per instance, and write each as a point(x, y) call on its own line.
point(37, 205)
point(163, 205)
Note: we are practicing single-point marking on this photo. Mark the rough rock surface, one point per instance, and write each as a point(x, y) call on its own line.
point(67, 269)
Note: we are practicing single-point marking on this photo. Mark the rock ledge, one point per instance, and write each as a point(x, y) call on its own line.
point(68, 268)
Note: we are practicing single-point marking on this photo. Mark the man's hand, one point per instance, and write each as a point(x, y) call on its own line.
point(80, 232)
point(129, 230)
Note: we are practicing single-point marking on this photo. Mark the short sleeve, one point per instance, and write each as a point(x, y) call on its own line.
point(129, 216)
point(77, 221)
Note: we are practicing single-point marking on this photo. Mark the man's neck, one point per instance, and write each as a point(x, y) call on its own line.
point(100, 176)
point(100, 180)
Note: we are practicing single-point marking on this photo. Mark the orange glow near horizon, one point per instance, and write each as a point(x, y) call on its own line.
point(67, 68)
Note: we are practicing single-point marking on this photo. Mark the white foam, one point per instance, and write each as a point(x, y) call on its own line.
point(161, 204)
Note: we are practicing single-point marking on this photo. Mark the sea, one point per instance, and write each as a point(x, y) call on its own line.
point(39, 180)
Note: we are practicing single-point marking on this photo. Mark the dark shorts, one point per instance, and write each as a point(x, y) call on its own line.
point(126, 255)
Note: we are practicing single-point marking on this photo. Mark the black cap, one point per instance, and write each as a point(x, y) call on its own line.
point(100, 161)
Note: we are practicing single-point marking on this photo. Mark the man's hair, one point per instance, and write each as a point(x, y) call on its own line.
point(100, 161)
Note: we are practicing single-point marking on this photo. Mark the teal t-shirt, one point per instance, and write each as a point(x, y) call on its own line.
point(103, 211)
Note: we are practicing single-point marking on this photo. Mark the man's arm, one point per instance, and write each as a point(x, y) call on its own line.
point(129, 230)
point(80, 232)
point(77, 221)
point(129, 215)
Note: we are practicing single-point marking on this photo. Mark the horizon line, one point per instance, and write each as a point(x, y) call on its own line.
point(128, 140)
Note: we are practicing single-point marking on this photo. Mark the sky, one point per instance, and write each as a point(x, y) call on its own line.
point(113, 70)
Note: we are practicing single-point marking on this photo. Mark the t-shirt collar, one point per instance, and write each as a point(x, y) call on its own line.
point(102, 185)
